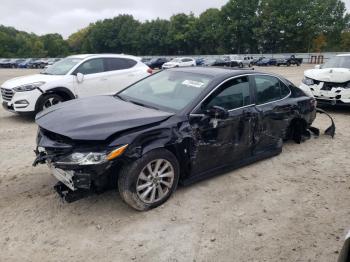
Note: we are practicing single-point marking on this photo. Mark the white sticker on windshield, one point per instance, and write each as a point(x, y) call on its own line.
point(193, 83)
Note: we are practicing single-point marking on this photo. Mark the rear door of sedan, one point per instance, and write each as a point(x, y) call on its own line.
point(275, 111)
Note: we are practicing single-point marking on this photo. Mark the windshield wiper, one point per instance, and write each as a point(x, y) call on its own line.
point(141, 104)
point(45, 73)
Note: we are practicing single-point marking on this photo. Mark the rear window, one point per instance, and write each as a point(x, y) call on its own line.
point(269, 89)
point(112, 64)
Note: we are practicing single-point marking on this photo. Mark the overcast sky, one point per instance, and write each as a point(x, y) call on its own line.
point(67, 16)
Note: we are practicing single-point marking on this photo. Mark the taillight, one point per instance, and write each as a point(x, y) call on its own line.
point(149, 70)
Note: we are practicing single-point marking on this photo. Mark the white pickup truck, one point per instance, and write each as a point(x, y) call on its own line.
point(241, 61)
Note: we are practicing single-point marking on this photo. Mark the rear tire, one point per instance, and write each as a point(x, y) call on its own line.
point(139, 181)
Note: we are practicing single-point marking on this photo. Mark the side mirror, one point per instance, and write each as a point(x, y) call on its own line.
point(217, 112)
point(318, 66)
point(80, 77)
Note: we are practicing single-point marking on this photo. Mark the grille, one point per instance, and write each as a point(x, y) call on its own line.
point(328, 85)
point(6, 94)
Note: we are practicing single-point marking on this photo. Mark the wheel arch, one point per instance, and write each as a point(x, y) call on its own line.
point(62, 91)
point(297, 124)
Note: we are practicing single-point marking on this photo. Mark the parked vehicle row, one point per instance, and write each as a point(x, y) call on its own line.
point(27, 62)
point(225, 60)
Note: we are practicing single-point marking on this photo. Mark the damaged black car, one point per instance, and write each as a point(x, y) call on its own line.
point(176, 126)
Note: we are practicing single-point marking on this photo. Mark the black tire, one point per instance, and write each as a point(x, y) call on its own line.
point(44, 99)
point(288, 63)
point(130, 173)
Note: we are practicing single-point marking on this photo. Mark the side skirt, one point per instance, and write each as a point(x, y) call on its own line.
point(221, 170)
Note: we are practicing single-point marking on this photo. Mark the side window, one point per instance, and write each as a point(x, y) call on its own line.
point(269, 88)
point(231, 95)
point(92, 66)
point(284, 90)
point(113, 64)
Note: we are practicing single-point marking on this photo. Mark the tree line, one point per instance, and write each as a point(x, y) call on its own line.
point(240, 26)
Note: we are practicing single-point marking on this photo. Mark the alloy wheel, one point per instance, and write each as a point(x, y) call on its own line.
point(155, 181)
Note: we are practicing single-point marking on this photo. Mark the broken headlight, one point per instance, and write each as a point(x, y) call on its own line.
point(88, 158)
point(91, 158)
point(308, 81)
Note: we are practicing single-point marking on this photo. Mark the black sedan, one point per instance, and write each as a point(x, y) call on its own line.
point(178, 125)
point(266, 62)
point(155, 63)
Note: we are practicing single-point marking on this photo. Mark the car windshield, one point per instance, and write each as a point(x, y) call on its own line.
point(176, 60)
point(338, 62)
point(62, 67)
point(167, 90)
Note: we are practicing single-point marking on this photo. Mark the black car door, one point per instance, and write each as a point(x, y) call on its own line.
point(224, 141)
point(275, 111)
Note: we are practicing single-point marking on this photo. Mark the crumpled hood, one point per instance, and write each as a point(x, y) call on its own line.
point(97, 118)
point(23, 80)
point(336, 75)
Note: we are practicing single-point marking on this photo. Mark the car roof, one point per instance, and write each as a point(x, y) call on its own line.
point(213, 71)
point(85, 56)
point(222, 73)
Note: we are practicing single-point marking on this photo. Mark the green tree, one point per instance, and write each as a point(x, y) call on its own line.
point(239, 18)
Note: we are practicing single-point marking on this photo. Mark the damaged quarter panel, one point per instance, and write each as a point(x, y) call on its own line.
point(179, 125)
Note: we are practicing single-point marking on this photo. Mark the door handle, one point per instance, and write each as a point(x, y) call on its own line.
point(103, 79)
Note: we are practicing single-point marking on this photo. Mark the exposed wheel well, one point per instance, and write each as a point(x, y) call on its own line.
point(296, 129)
point(63, 92)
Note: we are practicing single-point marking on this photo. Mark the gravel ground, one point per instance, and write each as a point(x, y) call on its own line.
point(293, 207)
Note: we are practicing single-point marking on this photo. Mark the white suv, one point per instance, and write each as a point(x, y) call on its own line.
point(73, 77)
point(180, 62)
point(330, 82)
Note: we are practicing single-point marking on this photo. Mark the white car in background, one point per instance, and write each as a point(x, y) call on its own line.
point(329, 83)
point(73, 77)
point(180, 62)
point(240, 61)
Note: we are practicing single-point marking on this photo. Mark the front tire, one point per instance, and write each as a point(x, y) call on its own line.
point(47, 101)
point(149, 181)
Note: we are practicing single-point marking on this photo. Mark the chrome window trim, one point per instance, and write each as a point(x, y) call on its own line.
point(290, 92)
point(231, 110)
point(276, 100)
point(237, 76)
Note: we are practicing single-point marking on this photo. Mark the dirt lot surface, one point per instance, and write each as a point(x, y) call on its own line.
point(293, 207)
